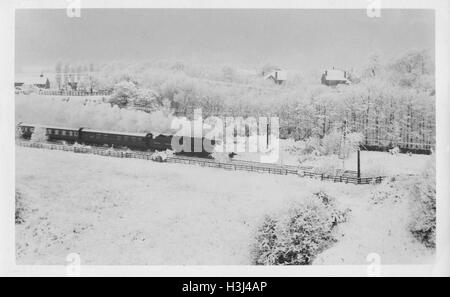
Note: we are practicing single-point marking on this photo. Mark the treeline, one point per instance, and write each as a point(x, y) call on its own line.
point(394, 100)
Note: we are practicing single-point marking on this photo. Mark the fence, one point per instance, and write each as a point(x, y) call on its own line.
point(345, 177)
point(73, 93)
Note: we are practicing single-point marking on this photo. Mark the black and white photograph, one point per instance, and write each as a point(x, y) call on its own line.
point(228, 136)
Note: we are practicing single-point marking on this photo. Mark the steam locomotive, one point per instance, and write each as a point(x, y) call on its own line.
point(135, 141)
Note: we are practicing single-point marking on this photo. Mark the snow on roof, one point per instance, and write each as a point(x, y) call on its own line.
point(47, 126)
point(335, 74)
point(116, 132)
point(278, 74)
point(32, 80)
point(136, 134)
point(281, 75)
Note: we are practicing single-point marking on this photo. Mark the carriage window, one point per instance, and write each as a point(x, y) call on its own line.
point(56, 132)
point(63, 132)
point(75, 133)
point(49, 131)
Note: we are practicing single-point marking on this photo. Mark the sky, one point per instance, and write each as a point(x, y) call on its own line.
point(293, 39)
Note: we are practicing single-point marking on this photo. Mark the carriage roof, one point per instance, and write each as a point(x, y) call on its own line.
point(117, 133)
point(47, 126)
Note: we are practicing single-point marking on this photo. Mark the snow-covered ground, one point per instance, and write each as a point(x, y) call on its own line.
point(372, 163)
point(129, 211)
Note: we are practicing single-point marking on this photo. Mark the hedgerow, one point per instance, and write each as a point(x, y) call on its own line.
point(423, 224)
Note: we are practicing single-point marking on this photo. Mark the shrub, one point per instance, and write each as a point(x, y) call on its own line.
point(298, 235)
point(124, 91)
point(303, 147)
point(332, 143)
point(20, 209)
point(161, 156)
point(423, 225)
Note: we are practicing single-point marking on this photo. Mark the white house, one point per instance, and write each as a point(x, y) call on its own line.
point(277, 75)
point(334, 77)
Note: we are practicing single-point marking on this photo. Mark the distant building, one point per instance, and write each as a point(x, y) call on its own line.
point(73, 85)
point(277, 75)
point(38, 81)
point(334, 77)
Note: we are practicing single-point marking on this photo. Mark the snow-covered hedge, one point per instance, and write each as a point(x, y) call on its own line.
point(162, 156)
point(20, 209)
point(297, 235)
point(423, 223)
point(330, 144)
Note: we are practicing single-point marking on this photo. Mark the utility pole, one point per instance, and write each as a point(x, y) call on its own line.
point(344, 133)
point(359, 166)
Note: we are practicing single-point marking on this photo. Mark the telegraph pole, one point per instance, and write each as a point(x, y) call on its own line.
point(344, 134)
point(359, 165)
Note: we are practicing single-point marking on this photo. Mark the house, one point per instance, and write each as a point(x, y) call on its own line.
point(277, 75)
point(334, 77)
point(37, 81)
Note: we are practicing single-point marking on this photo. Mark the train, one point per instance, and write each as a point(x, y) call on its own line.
point(404, 147)
point(134, 141)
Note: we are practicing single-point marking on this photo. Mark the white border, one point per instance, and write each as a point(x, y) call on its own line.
point(7, 148)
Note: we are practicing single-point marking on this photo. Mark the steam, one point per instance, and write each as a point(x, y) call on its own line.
point(78, 112)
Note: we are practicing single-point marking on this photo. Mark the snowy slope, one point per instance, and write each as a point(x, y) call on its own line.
point(127, 211)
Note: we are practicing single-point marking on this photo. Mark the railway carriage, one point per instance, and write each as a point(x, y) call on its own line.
point(52, 133)
point(136, 141)
point(63, 134)
point(26, 130)
point(118, 139)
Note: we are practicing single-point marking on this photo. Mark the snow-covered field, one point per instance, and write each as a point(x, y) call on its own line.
point(372, 163)
point(128, 211)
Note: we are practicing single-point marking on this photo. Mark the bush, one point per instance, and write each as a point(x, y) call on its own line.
point(330, 145)
point(20, 209)
point(303, 147)
point(423, 225)
point(161, 156)
point(124, 92)
point(299, 234)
